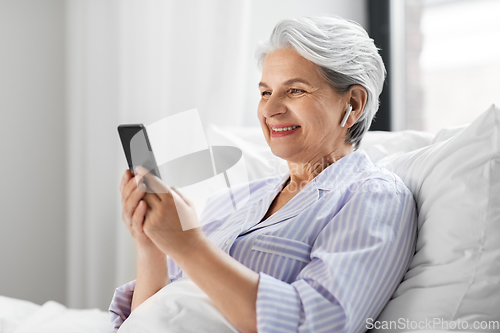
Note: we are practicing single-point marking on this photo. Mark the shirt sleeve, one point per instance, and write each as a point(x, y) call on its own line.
point(121, 304)
point(357, 262)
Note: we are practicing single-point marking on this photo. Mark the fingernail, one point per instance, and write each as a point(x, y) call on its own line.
point(142, 187)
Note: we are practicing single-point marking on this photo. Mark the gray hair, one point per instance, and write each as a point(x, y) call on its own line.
point(344, 54)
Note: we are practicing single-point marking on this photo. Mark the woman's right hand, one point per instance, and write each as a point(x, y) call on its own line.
point(152, 270)
point(133, 212)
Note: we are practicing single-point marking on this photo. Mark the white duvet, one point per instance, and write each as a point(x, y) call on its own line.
point(180, 307)
point(18, 316)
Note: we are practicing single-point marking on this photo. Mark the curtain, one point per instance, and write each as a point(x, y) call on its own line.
point(131, 61)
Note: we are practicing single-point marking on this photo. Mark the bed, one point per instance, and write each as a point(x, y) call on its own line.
point(453, 282)
point(20, 316)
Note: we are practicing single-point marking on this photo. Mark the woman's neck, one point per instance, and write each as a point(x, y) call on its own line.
point(303, 173)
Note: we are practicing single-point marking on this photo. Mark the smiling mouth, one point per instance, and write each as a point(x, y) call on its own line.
point(284, 129)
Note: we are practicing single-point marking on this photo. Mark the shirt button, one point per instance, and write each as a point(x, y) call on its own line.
point(229, 241)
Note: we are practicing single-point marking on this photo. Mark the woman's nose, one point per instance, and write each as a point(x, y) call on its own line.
point(273, 106)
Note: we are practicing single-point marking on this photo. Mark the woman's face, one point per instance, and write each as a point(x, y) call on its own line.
point(299, 112)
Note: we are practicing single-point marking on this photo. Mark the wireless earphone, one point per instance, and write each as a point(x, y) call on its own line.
point(347, 113)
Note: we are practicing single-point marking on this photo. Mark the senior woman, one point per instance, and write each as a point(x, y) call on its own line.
point(318, 249)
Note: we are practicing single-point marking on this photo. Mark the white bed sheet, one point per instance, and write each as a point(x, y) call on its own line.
point(18, 316)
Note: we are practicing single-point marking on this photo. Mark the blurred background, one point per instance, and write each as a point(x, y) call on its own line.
point(72, 71)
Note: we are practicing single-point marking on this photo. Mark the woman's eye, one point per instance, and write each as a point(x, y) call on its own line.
point(265, 93)
point(296, 91)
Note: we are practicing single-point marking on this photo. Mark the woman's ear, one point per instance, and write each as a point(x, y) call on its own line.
point(357, 98)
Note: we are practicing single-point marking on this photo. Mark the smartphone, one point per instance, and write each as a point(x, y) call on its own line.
point(137, 148)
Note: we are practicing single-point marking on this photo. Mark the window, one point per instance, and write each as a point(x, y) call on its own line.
point(445, 61)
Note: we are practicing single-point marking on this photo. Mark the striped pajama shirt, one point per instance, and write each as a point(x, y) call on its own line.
point(329, 260)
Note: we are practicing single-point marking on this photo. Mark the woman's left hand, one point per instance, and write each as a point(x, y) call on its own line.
point(171, 221)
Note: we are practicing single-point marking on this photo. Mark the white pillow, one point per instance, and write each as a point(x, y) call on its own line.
point(448, 132)
point(455, 274)
point(395, 142)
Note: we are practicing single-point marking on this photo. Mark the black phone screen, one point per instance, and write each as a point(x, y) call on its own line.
point(137, 148)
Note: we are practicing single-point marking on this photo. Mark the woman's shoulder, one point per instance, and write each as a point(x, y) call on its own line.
point(374, 173)
point(357, 170)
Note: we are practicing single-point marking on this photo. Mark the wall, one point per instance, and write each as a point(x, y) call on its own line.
point(32, 145)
